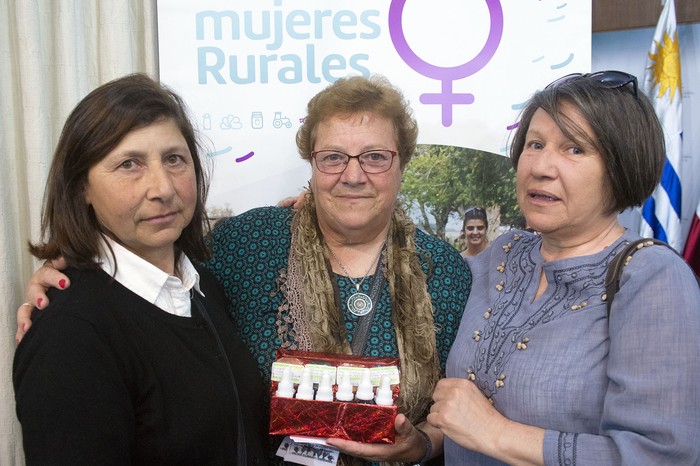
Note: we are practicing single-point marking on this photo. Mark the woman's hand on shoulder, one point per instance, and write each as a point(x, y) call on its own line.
point(295, 202)
point(48, 276)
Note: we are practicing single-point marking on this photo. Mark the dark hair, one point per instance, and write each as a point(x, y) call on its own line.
point(626, 133)
point(348, 96)
point(94, 128)
point(475, 213)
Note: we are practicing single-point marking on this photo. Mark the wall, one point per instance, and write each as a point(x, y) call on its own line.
point(616, 15)
point(627, 51)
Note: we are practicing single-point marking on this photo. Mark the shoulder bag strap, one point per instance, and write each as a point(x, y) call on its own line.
point(612, 278)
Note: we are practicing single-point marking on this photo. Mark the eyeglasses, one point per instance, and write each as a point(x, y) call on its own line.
point(610, 79)
point(477, 227)
point(333, 162)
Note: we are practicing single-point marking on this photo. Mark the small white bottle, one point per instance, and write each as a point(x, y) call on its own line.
point(325, 388)
point(305, 391)
point(385, 396)
point(285, 387)
point(344, 392)
point(365, 391)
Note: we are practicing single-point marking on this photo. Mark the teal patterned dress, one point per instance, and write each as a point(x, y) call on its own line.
point(250, 250)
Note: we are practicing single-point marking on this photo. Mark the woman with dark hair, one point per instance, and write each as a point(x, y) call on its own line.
point(137, 362)
point(541, 371)
point(474, 229)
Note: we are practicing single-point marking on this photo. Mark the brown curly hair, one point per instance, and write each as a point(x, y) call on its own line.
point(356, 94)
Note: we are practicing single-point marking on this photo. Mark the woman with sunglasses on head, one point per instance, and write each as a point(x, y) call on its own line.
point(541, 372)
point(474, 229)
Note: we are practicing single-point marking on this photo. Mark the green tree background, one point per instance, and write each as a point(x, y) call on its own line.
point(444, 181)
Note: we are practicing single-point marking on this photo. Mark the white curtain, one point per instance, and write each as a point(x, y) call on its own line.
point(52, 53)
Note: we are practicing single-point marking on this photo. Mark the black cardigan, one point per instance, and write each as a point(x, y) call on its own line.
point(104, 377)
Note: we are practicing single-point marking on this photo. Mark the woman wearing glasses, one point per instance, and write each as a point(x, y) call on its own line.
point(349, 272)
point(474, 230)
point(539, 372)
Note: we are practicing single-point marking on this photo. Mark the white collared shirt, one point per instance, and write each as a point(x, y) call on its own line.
point(168, 292)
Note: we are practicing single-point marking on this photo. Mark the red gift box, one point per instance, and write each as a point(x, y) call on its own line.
point(368, 423)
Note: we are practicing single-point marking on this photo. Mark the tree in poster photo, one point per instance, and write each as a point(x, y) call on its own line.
point(447, 180)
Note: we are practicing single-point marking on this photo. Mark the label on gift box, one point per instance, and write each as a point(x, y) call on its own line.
point(317, 371)
point(375, 374)
point(295, 371)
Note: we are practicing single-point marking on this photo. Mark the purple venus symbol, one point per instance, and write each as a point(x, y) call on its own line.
point(447, 75)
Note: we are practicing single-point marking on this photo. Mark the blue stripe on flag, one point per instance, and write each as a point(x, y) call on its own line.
point(672, 185)
point(649, 214)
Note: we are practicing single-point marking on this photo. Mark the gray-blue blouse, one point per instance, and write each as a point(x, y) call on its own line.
point(617, 390)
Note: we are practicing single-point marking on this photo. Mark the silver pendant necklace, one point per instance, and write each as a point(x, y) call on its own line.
point(359, 303)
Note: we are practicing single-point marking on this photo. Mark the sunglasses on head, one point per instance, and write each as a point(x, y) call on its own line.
point(473, 227)
point(610, 79)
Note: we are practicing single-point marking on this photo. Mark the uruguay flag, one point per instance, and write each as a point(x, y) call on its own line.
point(661, 213)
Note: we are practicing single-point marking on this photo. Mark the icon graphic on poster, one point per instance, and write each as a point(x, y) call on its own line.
point(279, 120)
point(230, 122)
point(446, 98)
point(206, 121)
point(256, 120)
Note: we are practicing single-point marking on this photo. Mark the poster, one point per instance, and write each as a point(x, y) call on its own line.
point(247, 68)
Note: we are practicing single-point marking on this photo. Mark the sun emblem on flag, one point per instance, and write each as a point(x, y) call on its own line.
point(666, 66)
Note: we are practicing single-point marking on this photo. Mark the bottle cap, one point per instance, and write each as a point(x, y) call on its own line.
point(344, 392)
point(305, 391)
point(365, 391)
point(285, 387)
point(325, 388)
point(385, 396)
